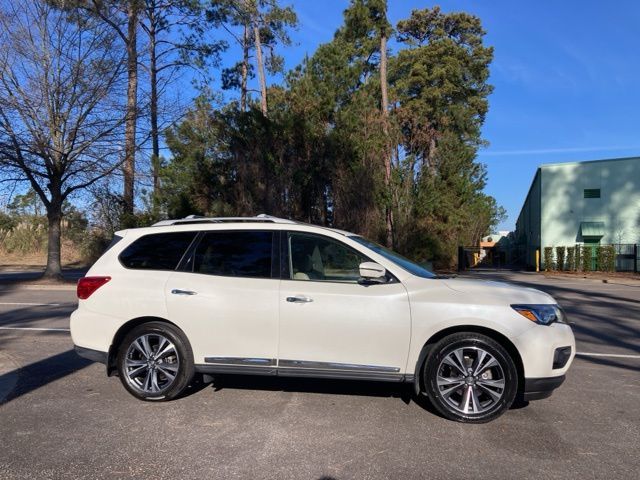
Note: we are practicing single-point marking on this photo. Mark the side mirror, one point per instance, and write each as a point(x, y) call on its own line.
point(372, 272)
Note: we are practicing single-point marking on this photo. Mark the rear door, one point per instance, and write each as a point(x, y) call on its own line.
point(332, 325)
point(226, 298)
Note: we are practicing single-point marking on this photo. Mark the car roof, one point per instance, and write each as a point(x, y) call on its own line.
point(262, 220)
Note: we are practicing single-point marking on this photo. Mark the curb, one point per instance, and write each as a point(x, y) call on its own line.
point(9, 286)
point(628, 282)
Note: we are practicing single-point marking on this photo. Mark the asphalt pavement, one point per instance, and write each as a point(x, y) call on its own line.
point(61, 417)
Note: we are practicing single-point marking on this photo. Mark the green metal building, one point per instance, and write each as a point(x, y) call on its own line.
point(593, 202)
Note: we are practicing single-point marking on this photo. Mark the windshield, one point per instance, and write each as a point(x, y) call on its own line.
point(396, 258)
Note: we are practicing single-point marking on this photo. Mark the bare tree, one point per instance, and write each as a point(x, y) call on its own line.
point(261, 74)
point(178, 38)
point(60, 80)
point(384, 107)
point(123, 17)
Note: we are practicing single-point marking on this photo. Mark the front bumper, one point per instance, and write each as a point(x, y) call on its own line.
point(546, 351)
point(539, 388)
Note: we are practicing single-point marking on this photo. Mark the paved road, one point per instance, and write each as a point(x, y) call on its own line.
point(60, 417)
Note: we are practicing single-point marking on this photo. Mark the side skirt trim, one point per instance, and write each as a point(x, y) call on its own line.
point(296, 368)
point(301, 364)
point(235, 369)
point(339, 374)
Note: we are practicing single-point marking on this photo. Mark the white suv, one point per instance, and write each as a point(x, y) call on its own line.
point(267, 296)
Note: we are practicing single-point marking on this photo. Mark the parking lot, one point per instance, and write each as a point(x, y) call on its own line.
point(61, 417)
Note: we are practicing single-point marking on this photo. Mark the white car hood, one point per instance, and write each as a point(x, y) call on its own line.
point(498, 292)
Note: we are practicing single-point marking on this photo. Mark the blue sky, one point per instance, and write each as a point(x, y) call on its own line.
point(566, 76)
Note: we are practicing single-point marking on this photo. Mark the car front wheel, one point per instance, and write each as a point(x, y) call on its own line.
point(470, 377)
point(155, 362)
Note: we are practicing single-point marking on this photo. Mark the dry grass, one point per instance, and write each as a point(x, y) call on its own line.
point(71, 258)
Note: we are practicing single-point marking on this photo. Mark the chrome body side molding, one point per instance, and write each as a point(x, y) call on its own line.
point(301, 368)
point(336, 366)
point(254, 362)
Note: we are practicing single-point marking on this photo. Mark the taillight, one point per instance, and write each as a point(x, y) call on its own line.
point(88, 285)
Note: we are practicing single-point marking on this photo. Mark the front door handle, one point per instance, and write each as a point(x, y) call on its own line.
point(299, 299)
point(176, 291)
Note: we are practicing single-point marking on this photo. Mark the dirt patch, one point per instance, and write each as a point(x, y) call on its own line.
point(594, 275)
point(623, 278)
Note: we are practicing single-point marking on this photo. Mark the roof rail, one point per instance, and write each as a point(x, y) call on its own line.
point(194, 219)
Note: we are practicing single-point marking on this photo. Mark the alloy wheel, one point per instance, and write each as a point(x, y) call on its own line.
point(151, 364)
point(470, 380)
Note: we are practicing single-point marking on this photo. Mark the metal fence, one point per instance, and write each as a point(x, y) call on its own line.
point(627, 259)
point(627, 256)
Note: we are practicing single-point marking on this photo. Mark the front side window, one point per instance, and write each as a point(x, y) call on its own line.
point(235, 254)
point(159, 251)
point(313, 257)
point(396, 258)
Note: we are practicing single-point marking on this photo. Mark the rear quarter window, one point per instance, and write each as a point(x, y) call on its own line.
point(235, 254)
point(158, 251)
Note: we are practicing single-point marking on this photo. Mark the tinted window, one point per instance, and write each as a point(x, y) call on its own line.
point(160, 251)
point(591, 193)
point(314, 257)
point(235, 254)
point(396, 258)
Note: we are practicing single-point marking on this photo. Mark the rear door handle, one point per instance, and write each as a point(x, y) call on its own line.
point(176, 291)
point(299, 299)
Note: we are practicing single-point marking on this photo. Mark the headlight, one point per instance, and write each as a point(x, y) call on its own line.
point(543, 314)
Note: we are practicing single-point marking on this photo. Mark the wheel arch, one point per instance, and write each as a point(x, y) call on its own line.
point(508, 345)
point(125, 329)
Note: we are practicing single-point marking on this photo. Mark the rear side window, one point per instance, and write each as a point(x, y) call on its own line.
point(235, 254)
point(160, 251)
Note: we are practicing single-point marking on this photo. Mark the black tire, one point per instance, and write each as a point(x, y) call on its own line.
point(479, 398)
point(178, 362)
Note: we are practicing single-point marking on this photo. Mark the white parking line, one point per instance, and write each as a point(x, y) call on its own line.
point(35, 329)
point(613, 355)
point(31, 304)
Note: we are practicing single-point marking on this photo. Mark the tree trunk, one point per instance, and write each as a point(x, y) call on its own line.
point(153, 108)
point(387, 152)
point(261, 75)
point(132, 107)
point(245, 69)
point(54, 217)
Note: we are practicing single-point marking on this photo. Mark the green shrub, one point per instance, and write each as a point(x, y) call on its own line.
point(93, 246)
point(548, 259)
point(606, 258)
point(571, 258)
point(560, 251)
point(7, 222)
point(578, 258)
point(587, 255)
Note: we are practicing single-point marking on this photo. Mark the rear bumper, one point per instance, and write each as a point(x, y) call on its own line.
point(93, 355)
point(539, 388)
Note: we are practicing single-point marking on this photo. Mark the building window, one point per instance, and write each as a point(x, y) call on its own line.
point(591, 193)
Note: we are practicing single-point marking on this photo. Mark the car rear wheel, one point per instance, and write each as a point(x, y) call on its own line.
point(470, 377)
point(155, 363)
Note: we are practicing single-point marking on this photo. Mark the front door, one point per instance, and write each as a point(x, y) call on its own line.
point(227, 299)
point(329, 323)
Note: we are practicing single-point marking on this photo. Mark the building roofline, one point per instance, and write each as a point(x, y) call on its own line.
point(557, 164)
point(580, 162)
point(527, 196)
